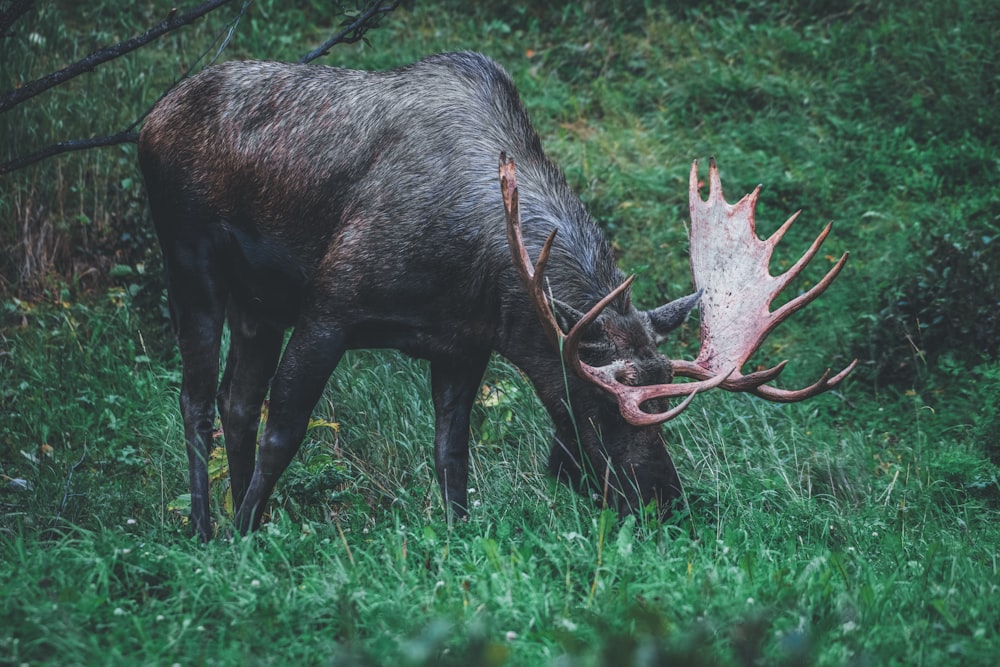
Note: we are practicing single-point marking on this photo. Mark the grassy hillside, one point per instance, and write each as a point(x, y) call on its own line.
point(857, 528)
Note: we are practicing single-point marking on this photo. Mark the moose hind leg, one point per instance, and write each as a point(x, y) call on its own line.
point(311, 355)
point(197, 306)
point(454, 385)
point(254, 349)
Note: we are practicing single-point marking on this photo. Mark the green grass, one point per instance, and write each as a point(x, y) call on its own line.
point(809, 538)
point(857, 528)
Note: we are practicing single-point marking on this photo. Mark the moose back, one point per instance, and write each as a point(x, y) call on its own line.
point(362, 210)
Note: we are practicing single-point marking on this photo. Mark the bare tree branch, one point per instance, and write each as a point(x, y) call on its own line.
point(354, 31)
point(127, 136)
point(14, 97)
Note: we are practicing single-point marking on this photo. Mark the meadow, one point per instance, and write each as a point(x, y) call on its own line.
point(861, 527)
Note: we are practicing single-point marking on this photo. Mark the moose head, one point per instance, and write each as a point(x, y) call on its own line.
point(735, 291)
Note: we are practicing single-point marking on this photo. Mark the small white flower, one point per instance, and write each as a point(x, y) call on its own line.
point(255, 583)
point(131, 522)
point(119, 611)
point(568, 624)
point(511, 635)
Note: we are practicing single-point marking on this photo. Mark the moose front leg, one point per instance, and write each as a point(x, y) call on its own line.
point(312, 353)
point(454, 385)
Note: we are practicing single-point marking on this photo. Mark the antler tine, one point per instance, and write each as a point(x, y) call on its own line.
point(783, 312)
point(693, 369)
point(825, 383)
point(531, 275)
point(813, 292)
point(715, 194)
point(571, 344)
point(631, 399)
point(773, 239)
point(634, 415)
point(807, 256)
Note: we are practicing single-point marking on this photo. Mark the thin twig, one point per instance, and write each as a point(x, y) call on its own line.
point(129, 134)
point(343, 539)
point(69, 480)
point(14, 97)
point(352, 33)
point(225, 42)
point(355, 31)
point(124, 137)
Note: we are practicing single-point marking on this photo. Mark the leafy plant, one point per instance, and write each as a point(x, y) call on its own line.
point(948, 307)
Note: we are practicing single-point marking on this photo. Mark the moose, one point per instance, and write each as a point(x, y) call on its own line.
point(362, 210)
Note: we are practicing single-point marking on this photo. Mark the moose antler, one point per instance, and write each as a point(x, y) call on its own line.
point(730, 265)
point(630, 398)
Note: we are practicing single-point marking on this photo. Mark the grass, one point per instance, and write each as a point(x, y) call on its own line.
point(857, 528)
point(809, 538)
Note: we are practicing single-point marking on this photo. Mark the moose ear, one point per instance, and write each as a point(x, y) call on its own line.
point(668, 317)
point(567, 316)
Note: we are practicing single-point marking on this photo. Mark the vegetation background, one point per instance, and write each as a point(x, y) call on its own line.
point(857, 528)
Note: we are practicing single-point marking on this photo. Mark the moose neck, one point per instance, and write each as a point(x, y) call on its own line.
point(579, 272)
point(570, 402)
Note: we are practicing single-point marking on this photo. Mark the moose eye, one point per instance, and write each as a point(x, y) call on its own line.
point(595, 345)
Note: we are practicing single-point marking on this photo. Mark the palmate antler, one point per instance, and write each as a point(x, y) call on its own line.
point(730, 265)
